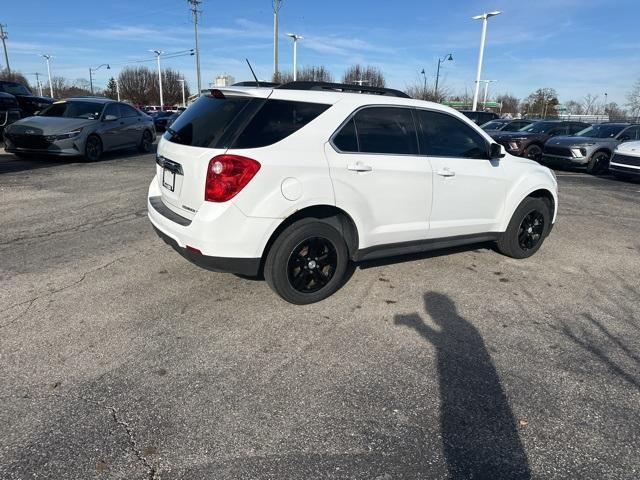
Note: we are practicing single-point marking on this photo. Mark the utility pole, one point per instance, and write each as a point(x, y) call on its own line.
point(117, 88)
point(48, 58)
point(158, 53)
point(277, 4)
point(486, 90)
point(195, 4)
point(4, 36)
point(38, 84)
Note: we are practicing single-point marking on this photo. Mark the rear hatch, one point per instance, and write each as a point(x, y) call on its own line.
point(203, 131)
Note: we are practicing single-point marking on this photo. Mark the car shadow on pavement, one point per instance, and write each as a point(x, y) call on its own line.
point(479, 433)
point(10, 163)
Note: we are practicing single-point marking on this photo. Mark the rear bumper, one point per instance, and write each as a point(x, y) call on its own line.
point(242, 266)
point(218, 237)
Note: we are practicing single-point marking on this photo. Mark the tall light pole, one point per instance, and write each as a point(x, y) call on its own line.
point(48, 58)
point(195, 4)
point(4, 35)
point(184, 100)
point(424, 75)
point(117, 87)
point(295, 38)
point(91, 70)
point(277, 4)
point(157, 54)
point(485, 18)
point(486, 90)
point(447, 58)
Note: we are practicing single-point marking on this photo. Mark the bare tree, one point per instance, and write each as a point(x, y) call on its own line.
point(510, 104)
point(589, 102)
point(425, 91)
point(64, 88)
point(574, 108)
point(633, 100)
point(14, 76)
point(542, 103)
point(307, 74)
point(364, 75)
point(615, 112)
point(137, 85)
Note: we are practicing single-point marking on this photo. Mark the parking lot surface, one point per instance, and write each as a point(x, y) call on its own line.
point(121, 360)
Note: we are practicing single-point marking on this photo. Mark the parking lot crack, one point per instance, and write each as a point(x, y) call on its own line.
point(133, 445)
point(29, 303)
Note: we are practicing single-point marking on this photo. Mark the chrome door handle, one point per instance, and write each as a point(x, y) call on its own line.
point(446, 173)
point(359, 167)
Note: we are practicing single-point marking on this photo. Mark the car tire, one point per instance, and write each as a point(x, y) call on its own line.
point(598, 163)
point(307, 262)
point(93, 148)
point(533, 152)
point(146, 142)
point(529, 226)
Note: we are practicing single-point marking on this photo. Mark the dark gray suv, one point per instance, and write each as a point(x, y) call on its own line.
point(83, 126)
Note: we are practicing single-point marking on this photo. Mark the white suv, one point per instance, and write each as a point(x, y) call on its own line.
point(297, 181)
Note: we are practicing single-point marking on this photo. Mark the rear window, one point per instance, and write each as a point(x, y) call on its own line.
point(275, 121)
point(204, 123)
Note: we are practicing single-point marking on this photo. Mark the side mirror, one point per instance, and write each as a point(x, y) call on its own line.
point(497, 151)
point(110, 118)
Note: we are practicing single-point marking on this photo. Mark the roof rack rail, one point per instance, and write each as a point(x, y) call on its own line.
point(342, 87)
point(253, 83)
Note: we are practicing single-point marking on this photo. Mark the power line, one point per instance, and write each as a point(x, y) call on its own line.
point(4, 35)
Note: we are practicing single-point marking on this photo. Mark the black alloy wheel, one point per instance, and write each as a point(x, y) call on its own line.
point(93, 149)
point(307, 262)
point(531, 230)
point(529, 226)
point(312, 264)
point(533, 152)
point(599, 163)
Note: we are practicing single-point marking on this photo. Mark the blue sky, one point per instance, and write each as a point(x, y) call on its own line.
point(575, 46)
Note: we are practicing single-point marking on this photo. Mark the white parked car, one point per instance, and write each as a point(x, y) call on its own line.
point(295, 182)
point(625, 162)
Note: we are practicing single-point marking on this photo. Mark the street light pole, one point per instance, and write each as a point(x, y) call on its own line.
point(157, 54)
point(48, 58)
point(295, 38)
point(277, 4)
point(93, 70)
point(4, 36)
point(440, 62)
point(485, 18)
point(117, 88)
point(486, 90)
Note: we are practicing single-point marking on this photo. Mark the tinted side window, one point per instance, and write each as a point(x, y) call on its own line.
point(632, 132)
point(386, 130)
point(112, 109)
point(576, 127)
point(127, 111)
point(345, 140)
point(443, 135)
point(275, 121)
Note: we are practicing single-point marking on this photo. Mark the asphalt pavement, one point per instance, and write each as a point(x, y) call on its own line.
point(120, 360)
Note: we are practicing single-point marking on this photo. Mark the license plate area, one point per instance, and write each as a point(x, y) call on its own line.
point(168, 179)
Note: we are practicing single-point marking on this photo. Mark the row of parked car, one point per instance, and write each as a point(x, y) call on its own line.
point(600, 147)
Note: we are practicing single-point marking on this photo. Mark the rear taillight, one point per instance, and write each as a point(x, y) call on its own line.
point(227, 175)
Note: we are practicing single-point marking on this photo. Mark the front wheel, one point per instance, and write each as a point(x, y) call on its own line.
point(93, 149)
point(533, 152)
point(598, 163)
point(527, 229)
point(307, 262)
